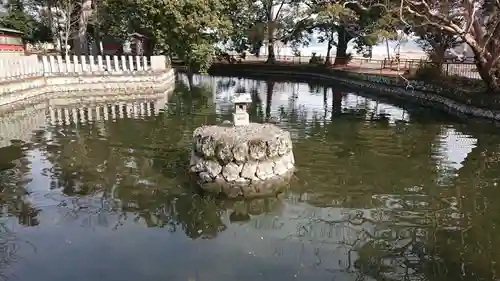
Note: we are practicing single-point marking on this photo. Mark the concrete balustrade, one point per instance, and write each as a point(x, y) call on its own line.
point(18, 67)
point(27, 77)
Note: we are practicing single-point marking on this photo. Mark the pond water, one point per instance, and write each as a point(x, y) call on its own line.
point(383, 191)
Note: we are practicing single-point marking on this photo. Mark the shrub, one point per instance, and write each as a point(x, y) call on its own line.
point(316, 59)
point(348, 58)
point(427, 71)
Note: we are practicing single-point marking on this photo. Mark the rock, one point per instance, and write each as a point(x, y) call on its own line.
point(273, 120)
point(236, 217)
point(265, 170)
point(289, 143)
point(226, 123)
point(240, 152)
point(231, 171)
point(224, 152)
point(232, 191)
point(249, 169)
point(280, 166)
point(241, 160)
point(257, 149)
point(291, 157)
point(212, 187)
point(197, 144)
point(208, 146)
point(272, 147)
point(205, 177)
point(213, 168)
point(289, 160)
point(248, 191)
point(220, 180)
point(242, 182)
point(195, 164)
point(282, 146)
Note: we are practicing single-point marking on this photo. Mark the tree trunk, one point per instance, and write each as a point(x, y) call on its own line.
point(490, 76)
point(438, 55)
point(489, 73)
point(271, 57)
point(341, 57)
point(97, 41)
point(388, 49)
point(50, 18)
point(328, 59)
point(82, 44)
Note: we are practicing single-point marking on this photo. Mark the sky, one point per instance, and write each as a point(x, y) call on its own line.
point(379, 50)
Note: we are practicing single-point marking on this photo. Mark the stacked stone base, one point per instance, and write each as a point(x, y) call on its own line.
point(250, 161)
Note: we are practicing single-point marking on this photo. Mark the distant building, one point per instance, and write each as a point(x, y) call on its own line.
point(11, 42)
point(137, 44)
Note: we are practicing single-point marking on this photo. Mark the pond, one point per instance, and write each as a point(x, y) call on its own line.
point(383, 190)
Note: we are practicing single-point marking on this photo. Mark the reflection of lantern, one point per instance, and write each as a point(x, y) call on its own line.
point(11, 41)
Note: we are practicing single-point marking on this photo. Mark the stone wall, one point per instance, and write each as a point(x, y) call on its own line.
point(251, 160)
point(27, 77)
point(393, 87)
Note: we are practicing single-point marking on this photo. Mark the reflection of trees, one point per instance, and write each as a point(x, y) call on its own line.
point(14, 195)
point(411, 227)
point(223, 85)
point(426, 231)
point(269, 97)
point(134, 166)
point(14, 202)
point(476, 201)
point(9, 246)
point(138, 170)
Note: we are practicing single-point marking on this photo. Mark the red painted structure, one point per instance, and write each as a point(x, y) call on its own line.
point(11, 41)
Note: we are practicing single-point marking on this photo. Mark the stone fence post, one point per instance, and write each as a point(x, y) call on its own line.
point(158, 63)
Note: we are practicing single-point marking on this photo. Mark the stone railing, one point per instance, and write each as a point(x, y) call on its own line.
point(16, 67)
point(26, 77)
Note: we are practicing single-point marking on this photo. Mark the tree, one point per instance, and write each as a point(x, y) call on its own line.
point(477, 23)
point(189, 29)
point(435, 42)
point(68, 21)
point(341, 21)
point(17, 18)
point(45, 11)
point(245, 34)
point(334, 19)
point(272, 21)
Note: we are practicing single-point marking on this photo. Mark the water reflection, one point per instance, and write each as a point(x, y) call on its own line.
point(383, 191)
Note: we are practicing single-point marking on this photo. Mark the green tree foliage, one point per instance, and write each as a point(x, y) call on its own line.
point(247, 32)
point(187, 29)
point(477, 23)
point(17, 17)
point(266, 21)
point(435, 42)
point(193, 30)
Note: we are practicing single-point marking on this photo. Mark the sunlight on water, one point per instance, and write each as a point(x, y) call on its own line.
point(96, 189)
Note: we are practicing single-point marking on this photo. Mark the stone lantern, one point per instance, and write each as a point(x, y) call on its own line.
point(240, 114)
point(242, 160)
